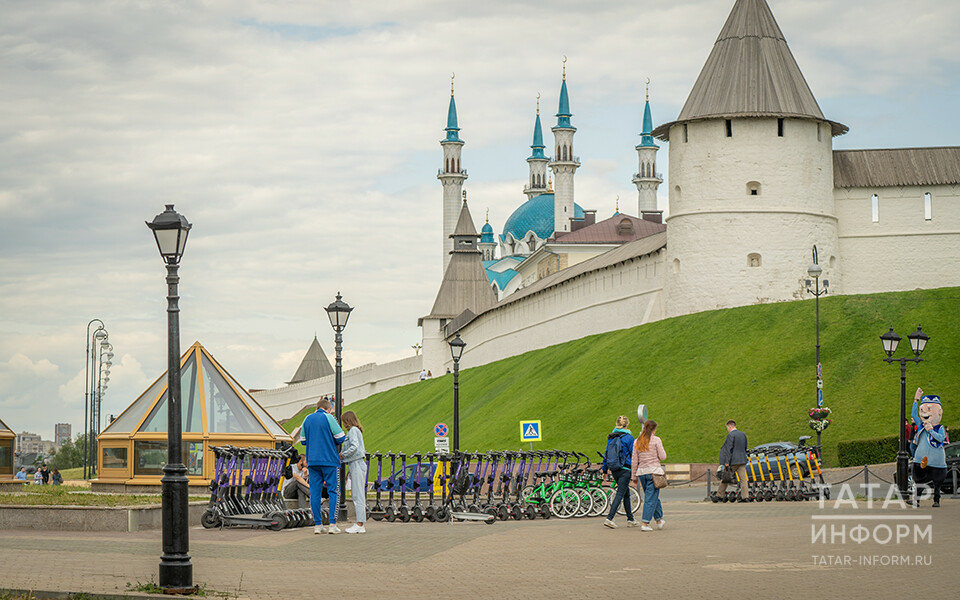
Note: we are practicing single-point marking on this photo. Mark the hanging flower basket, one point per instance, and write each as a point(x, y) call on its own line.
point(819, 425)
point(820, 413)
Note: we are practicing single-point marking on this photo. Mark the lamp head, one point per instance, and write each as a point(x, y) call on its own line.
point(814, 271)
point(918, 341)
point(170, 229)
point(456, 347)
point(339, 312)
point(890, 342)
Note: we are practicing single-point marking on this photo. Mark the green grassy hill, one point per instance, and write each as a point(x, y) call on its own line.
point(755, 364)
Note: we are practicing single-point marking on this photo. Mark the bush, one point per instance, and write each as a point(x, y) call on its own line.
point(855, 453)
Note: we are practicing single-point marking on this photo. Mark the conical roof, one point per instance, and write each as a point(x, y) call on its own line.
point(212, 402)
point(465, 284)
point(6, 432)
point(750, 73)
point(314, 365)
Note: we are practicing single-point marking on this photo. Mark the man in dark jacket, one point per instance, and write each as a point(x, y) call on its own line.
point(733, 456)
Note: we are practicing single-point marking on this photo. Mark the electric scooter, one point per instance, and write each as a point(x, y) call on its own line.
point(404, 512)
point(416, 513)
point(390, 513)
point(430, 512)
point(377, 513)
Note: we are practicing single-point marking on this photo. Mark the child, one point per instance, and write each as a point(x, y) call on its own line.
point(353, 454)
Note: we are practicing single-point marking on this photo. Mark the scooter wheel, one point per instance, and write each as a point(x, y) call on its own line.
point(416, 513)
point(714, 497)
point(516, 512)
point(376, 516)
point(503, 512)
point(404, 514)
point(390, 514)
point(430, 513)
point(210, 519)
point(473, 508)
point(530, 512)
point(443, 514)
point(545, 511)
point(279, 522)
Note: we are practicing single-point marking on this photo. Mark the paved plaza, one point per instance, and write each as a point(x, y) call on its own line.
point(759, 550)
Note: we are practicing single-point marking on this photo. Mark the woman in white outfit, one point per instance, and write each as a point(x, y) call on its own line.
point(353, 454)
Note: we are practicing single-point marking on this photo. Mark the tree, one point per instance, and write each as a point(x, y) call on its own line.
point(69, 456)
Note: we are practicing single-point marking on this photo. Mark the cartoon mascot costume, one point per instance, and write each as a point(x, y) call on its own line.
point(929, 458)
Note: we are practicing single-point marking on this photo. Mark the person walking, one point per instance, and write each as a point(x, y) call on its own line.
point(298, 485)
point(733, 456)
point(321, 435)
point(354, 455)
point(647, 453)
point(616, 461)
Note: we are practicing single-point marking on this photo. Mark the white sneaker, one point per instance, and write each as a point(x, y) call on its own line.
point(633, 523)
point(646, 528)
point(333, 529)
point(661, 523)
point(609, 523)
point(355, 529)
point(319, 529)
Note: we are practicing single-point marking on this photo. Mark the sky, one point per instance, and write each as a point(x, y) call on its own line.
point(301, 141)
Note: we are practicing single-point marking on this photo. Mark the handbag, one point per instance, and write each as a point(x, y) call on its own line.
point(659, 480)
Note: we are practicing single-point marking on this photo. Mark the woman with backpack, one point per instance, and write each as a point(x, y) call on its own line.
point(616, 461)
point(647, 453)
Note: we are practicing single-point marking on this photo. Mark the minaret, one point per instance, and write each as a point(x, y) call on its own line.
point(451, 176)
point(537, 184)
point(487, 243)
point(646, 178)
point(564, 163)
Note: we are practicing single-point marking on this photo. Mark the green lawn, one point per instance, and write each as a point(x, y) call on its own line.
point(755, 364)
point(58, 495)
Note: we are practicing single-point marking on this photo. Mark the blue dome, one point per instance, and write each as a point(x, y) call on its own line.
point(486, 234)
point(536, 215)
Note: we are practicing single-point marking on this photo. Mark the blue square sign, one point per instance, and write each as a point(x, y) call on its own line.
point(530, 431)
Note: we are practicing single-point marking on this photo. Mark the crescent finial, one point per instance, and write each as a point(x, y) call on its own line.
point(453, 75)
point(564, 67)
point(538, 104)
point(648, 89)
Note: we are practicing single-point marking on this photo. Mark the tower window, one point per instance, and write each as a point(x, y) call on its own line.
point(780, 127)
point(685, 138)
point(753, 188)
point(875, 208)
point(927, 207)
point(676, 265)
point(676, 192)
point(729, 125)
point(753, 260)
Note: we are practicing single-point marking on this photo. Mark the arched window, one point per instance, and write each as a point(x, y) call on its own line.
point(875, 208)
point(753, 259)
point(676, 265)
point(927, 207)
point(753, 188)
point(676, 192)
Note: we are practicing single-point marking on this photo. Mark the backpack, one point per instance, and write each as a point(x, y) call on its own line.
point(613, 457)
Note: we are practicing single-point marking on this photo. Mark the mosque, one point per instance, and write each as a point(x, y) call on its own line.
point(756, 193)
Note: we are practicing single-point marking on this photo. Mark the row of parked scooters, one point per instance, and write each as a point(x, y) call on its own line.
point(770, 476)
point(253, 499)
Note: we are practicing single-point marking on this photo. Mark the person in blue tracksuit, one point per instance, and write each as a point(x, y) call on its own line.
point(321, 435)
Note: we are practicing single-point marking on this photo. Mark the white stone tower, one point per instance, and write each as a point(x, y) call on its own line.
point(751, 175)
point(451, 175)
point(537, 183)
point(646, 178)
point(564, 163)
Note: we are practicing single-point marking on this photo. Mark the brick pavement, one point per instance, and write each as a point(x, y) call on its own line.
point(706, 550)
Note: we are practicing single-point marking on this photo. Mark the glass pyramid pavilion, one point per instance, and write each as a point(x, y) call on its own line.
point(7, 441)
point(215, 411)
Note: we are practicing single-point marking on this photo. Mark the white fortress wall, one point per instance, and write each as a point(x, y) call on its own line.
point(358, 383)
point(617, 297)
point(902, 250)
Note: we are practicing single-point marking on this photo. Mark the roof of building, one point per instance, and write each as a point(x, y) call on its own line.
point(563, 111)
point(646, 139)
point(537, 144)
point(465, 284)
point(212, 402)
point(536, 215)
point(314, 365)
point(6, 432)
point(895, 167)
point(486, 234)
point(618, 229)
point(750, 73)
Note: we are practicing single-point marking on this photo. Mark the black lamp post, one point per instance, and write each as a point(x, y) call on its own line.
point(176, 571)
point(918, 341)
point(339, 312)
point(99, 334)
point(814, 271)
point(456, 350)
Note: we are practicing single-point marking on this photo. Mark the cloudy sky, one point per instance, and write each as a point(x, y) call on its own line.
point(301, 140)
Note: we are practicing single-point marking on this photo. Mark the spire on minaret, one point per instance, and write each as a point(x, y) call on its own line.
point(646, 178)
point(647, 133)
point(451, 175)
point(564, 163)
point(536, 184)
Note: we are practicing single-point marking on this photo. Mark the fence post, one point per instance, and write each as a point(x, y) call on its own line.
point(709, 474)
point(953, 475)
point(866, 478)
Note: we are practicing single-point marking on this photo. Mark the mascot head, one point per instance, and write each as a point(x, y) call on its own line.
point(930, 410)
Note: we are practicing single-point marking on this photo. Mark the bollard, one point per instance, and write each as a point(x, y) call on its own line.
point(866, 478)
point(953, 475)
point(709, 474)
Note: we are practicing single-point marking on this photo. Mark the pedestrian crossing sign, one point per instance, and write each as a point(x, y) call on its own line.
point(530, 431)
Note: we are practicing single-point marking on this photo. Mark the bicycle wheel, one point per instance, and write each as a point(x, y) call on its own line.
point(635, 501)
point(564, 503)
point(586, 502)
point(599, 501)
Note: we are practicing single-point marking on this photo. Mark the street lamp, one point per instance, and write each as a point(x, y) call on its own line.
point(918, 341)
point(456, 351)
point(98, 334)
point(814, 271)
point(170, 229)
point(338, 312)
